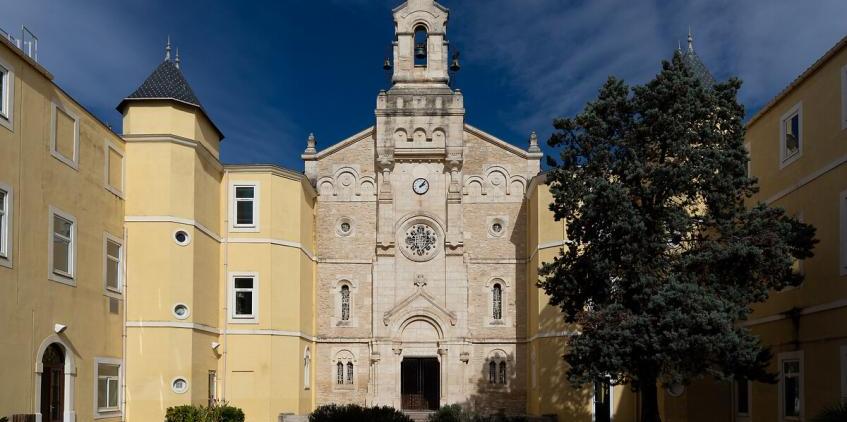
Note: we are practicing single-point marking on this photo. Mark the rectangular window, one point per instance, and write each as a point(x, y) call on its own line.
point(65, 136)
point(62, 246)
point(844, 97)
point(843, 242)
point(742, 398)
point(107, 393)
point(114, 170)
point(245, 206)
point(7, 94)
point(4, 223)
point(113, 258)
point(791, 386)
point(244, 297)
point(213, 387)
point(4, 92)
point(791, 135)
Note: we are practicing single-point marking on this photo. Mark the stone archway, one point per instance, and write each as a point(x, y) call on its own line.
point(421, 373)
point(55, 370)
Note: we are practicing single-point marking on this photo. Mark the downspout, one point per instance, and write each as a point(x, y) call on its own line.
point(124, 331)
point(226, 287)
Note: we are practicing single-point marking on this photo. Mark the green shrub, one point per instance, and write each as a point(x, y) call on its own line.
point(217, 412)
point(352, 412)
point(4, 419)
point(837, 413)
point(454, 413)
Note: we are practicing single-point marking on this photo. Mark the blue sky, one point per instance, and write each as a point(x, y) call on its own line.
point(270, 72)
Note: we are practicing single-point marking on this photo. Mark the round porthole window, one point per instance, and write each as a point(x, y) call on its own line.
point(179, 385)
point(182, 238)
point(181, 311)
point(496, 227)
point(344, 227)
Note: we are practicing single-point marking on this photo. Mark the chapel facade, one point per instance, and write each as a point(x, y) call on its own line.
point(421, 225)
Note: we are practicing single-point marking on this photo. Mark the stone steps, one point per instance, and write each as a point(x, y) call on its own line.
point(418, 416)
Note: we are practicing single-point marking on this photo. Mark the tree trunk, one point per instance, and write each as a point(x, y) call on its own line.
point(649, 400)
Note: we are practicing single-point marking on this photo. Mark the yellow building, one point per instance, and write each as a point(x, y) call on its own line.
point(62, 250)
point(798, 149)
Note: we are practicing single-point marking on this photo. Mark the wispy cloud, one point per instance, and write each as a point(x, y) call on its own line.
point(557, 53)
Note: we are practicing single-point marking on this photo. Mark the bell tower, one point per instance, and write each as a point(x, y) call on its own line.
point(420, 45)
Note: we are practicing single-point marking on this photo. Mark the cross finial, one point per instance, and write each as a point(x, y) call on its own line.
point(690, 40)
point(176, 60)
point(168, 49)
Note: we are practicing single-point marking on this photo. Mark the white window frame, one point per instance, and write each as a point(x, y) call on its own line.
point(114, 292)
point(6, 227)
point(64, 278)
point(842, 199)
point(783, 160)
point(72, 162)
point(117, 190)
point(111, 412)
point(844, 97)
point(233, 209)
point(7, 100)
point(244, 319)
point(784, 357)
point(742, 417)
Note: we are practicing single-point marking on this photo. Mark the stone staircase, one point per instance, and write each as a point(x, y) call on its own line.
point(418, 416)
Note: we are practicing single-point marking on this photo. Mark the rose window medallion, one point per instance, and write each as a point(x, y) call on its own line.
point(421, 240)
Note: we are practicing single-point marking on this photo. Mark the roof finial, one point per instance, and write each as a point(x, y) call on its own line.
point(533, 142)
point(176, 61)
point(679, 45)
point(168, 49)
point(690, 40)
point(311, 144)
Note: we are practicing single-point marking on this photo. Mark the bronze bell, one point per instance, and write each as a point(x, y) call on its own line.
point(420, 50)
point(455, 66)
point(386, 64)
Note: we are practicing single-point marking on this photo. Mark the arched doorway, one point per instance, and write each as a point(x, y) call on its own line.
point(53, 384)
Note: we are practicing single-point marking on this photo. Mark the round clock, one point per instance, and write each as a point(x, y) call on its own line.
point(420, 186)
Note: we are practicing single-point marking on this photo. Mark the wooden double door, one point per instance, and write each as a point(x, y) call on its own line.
point(53, 384)
point(420, 383)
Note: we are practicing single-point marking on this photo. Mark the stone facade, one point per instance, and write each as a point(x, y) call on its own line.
point(421, 241)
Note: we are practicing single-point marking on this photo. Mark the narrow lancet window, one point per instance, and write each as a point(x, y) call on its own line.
point(497, 302)
point(345, 303)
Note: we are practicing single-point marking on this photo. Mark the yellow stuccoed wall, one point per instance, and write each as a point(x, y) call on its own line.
point(30, 303)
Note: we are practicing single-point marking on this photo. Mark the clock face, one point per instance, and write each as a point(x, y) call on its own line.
point(420, 186)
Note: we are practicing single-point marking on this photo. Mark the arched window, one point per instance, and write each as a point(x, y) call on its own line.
point(492, 372)
point(420, 46)
point(501, 376)
point(345, 303)
point(349, 372)
point(307, 369)
point(497, 302)
point(339, 379)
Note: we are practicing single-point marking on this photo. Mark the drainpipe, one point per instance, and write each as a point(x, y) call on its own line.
point(124, 331)
point(226, 287)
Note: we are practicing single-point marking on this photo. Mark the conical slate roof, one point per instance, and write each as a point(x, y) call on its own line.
point(166, 82)
point(696, 65)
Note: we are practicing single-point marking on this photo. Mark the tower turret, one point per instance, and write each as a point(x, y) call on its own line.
point(420, 43)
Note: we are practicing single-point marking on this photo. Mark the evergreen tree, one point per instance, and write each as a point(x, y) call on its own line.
point(663, 258)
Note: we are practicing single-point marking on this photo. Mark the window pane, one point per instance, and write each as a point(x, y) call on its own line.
point(2, 90)
point(349, 372)
point(339, 376)
point(243, 283)
point(106, 370)
point(62, 226)
point(243, 303)
point(244, 192)
point(61, 255)
point(113, 249)
point(791, 390)
point(244, 212)
point(102, 386)
point(2, 201)
point(65, 134)
point(113, 392)
point(492, 372)
point(792, 134)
